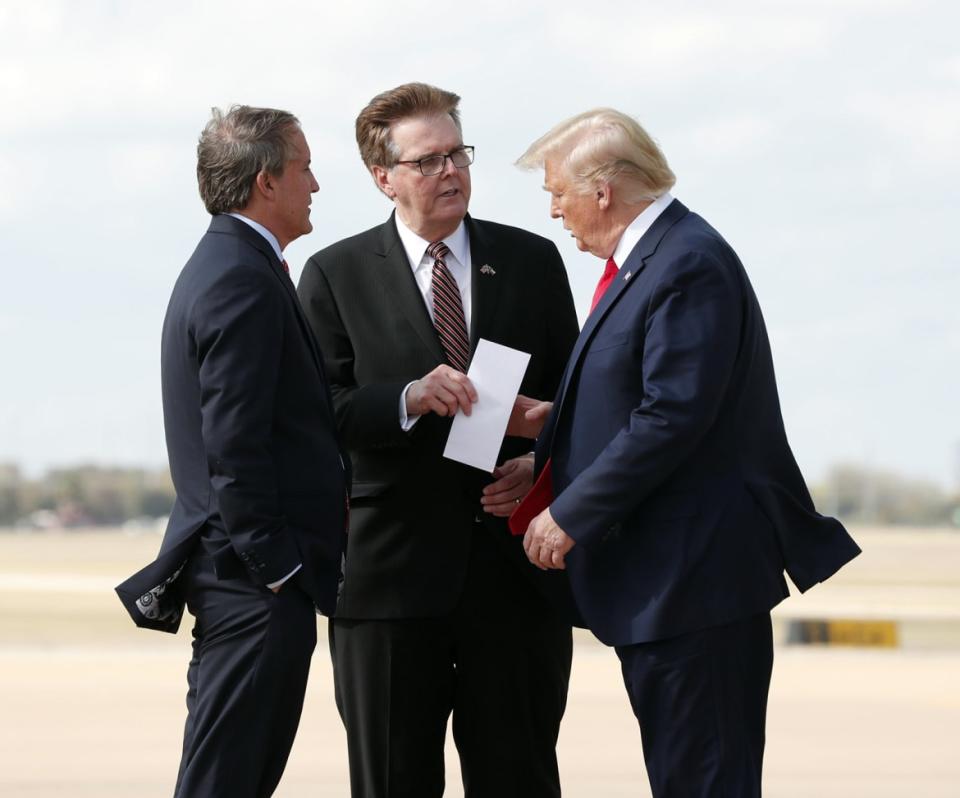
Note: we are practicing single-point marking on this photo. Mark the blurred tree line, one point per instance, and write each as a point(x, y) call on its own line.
point(83, 495)
point(862, 495)
point(86, 495)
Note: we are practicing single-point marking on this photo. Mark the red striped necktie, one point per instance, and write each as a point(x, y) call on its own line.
point(608, 274)
point(448, 317)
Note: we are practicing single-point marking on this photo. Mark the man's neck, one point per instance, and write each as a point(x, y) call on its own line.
point(263, 230)
point(254, 215)
point(428, 232)
point(623, 217)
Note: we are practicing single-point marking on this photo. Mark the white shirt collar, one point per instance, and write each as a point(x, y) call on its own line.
point(639, 226)
point(416, 248)
point(271, 238)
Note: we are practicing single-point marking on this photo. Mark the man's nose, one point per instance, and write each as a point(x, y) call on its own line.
point(448, 166)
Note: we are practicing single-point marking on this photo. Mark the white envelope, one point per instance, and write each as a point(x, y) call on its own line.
point(496, 372)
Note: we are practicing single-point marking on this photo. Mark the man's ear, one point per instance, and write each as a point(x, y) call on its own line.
point(604, 196)
point(263, 184)
point(381, 177)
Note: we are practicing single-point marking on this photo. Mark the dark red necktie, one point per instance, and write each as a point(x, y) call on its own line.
point(448, 317)
point(286, 266)
point(608, 274)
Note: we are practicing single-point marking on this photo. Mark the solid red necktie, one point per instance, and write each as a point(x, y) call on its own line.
point(608, 274)
point(448, 316)
point(286, 266)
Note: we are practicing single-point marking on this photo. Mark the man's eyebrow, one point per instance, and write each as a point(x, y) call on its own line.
point(435, 153)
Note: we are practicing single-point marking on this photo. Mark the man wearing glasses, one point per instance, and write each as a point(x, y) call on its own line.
point(439, 612)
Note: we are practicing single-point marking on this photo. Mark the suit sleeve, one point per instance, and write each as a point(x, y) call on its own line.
point(367, 416)
point(562, 325)
point(238, 332)
point(691, 338)
point(562, 332)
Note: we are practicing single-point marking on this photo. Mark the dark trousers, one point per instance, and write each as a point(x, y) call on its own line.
point(246, 683)
point(500, 663)
point(701, 700)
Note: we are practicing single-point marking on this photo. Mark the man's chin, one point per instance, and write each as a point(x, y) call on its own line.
point(448, 203)
point(453, 214)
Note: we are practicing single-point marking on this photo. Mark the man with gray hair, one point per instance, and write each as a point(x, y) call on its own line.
point(667, 490)
point(255, 538)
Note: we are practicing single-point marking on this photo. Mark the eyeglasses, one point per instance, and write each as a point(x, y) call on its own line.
point(461, 157)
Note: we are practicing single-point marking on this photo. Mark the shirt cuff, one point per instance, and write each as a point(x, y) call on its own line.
point(275, 585)
point(406, 422)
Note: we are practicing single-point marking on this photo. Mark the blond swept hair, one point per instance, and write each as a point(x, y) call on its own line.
point(403, 102)
point(604, 146)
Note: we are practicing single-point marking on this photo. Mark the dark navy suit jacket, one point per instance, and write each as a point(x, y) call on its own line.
point(671, 467)
point(250, 430)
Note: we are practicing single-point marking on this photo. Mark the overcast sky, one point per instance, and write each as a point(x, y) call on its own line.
point(821, 139)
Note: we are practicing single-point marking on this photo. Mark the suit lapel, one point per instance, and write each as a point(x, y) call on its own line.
point(484, 286)
point(228, 224)
point(626, 277)
point(400, 288)
point(288, 286)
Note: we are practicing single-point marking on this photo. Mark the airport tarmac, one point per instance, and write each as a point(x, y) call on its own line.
point(90, 706)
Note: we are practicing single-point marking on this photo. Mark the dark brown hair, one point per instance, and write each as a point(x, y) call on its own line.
point(410, 99)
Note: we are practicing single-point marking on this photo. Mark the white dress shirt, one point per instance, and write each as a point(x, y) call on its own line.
point(458, 263)
point(639, 226)
point(271, 238)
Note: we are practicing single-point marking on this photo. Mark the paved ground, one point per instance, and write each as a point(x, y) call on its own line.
point(90, 706)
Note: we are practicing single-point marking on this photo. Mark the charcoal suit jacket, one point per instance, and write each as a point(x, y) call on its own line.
point(412, 510)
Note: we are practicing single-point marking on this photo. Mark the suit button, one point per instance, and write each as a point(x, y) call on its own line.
point(613, 531)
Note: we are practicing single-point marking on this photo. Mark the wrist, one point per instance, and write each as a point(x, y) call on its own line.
point(409, 399)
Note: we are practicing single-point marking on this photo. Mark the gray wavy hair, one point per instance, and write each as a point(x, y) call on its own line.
point(235, 147)
point(604, 146)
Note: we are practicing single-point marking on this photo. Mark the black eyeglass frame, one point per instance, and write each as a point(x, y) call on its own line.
point(466, 149)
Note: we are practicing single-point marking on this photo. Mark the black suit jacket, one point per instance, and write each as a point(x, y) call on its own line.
point(412, 511)
point(670, 463)
point(250, 430)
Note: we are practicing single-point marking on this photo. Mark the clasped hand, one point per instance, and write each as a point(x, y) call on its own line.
point(443, 391)
point(514, 480)
point(546, 544)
